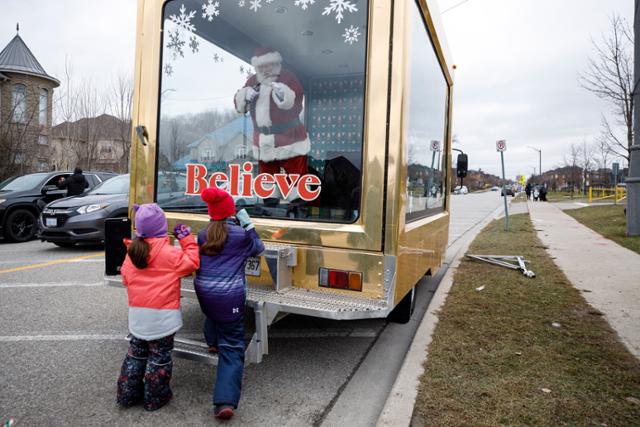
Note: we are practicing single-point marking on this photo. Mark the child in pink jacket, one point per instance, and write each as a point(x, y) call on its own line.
point(151, 273)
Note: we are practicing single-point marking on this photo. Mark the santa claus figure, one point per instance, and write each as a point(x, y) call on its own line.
point(274, 97)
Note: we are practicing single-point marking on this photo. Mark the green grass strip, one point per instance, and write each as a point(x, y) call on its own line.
point(497, 360)
point(610, 222)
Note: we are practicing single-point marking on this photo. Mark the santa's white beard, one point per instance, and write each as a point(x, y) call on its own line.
point(270, 77)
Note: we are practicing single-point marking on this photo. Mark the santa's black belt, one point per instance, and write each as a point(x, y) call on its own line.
point(279, 127)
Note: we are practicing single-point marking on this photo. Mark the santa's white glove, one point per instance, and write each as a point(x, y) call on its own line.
point(278, 89)
point(249, 94)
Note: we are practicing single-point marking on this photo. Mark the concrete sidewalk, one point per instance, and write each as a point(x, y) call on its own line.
point(607, 273)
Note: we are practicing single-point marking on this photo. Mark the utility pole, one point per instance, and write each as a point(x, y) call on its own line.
point(633, 180)
point(539, 157)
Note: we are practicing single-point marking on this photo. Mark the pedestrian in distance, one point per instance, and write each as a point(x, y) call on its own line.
point(220, 285)
point(536, 193)
point(75, 184)
point(151, 273)
point(527, 190)
point(543, 193)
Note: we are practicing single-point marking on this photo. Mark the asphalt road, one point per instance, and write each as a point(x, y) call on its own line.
point(62, 342)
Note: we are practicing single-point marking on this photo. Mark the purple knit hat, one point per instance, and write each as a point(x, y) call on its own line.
point(149, 221)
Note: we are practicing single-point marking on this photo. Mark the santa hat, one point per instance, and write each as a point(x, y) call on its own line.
point(149, 220)
point(265, 55)
point(219, 203)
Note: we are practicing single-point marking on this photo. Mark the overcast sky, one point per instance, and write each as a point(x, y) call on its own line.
point(517, 76)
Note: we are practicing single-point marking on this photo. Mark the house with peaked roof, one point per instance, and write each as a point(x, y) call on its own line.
point(226, 144)
point(26, 100)
point(97, 143)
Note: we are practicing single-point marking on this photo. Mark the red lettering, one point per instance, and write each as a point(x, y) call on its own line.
point(234, 171)
point(284, 184)
point(195, 175)
point(246, 179)
point(264, 185)
point(218, 177)
point(259, 186)
point(304, 191)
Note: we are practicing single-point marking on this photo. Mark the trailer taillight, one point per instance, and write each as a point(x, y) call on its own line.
point(340, 279)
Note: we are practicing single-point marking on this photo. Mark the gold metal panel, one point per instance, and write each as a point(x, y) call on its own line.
point(305, 274)
point(419, 245)
point(364, 234)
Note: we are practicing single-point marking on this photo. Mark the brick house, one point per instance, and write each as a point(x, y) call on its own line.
point(26, 99)
point(94, 143)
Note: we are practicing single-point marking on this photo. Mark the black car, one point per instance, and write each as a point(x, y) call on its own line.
point(71, 220)
point(23, 197)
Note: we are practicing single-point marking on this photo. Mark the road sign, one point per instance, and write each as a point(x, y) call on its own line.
point(435, 145)
point(615, 168)
point(501, 145)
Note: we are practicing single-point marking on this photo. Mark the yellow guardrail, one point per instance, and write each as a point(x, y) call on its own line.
point(604, 193)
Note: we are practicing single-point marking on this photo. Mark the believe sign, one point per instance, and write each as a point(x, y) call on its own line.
point(240, 182)
point(501, 145)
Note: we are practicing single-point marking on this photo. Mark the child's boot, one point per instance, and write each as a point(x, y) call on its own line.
point(157, 377)
point(130, 388)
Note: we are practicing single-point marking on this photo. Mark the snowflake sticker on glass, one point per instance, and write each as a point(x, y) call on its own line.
point(339, 7)
point(194, 44)
point(255, 5)
point(210, 9)
point(175, 44)
point(303, 4)
point(183, 21)
point(351, 34)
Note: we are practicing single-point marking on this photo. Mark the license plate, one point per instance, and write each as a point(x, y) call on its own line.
point(252, 267)
point(51, 222)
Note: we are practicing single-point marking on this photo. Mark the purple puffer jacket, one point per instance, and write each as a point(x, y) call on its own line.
point(220, 281)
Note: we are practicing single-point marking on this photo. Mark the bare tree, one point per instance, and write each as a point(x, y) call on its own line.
point(90, 104)
point(609, 76)
point(587, 163)
point(18, 148)
point(572, 161)
point(65, 113)
point(120, 104)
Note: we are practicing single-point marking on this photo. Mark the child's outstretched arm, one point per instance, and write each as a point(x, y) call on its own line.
point(253, 244)
point(188, 260)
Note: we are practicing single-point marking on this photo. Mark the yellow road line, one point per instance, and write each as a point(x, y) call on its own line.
point(46, 264)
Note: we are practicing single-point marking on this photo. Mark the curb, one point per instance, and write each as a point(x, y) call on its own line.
point(398, 408)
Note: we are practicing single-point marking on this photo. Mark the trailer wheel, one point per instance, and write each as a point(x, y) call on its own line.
point(403, 311)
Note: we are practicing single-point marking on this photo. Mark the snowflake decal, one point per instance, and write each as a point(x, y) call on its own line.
point(168, 69)
point(255, 5)
point(210, 9)
point(183, 21)
point(351, 34)
point(240, 3)
point(304, 4)
point(194, 44)
point(176, 43)
point(339, 7)
point(217, 58)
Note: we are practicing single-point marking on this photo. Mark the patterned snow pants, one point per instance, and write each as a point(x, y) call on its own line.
point(146, 373)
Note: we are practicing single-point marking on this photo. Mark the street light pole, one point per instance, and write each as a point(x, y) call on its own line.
point(633, 180)
point(539, 157)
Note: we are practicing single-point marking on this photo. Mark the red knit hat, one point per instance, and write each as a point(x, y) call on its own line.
point(219, 203)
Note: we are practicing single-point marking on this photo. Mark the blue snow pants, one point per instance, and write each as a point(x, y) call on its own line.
point(229, 338)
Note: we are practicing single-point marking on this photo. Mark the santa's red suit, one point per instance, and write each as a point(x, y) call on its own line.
point(280, 140)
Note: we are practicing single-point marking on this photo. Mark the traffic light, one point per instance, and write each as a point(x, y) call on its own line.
point(462, 165)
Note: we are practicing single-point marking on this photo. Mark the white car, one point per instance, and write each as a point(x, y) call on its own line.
point(460, 190)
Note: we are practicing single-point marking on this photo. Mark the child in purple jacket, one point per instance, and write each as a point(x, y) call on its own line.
point(220, 287)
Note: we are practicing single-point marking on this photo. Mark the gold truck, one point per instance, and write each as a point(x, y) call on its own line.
point(329, 121)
